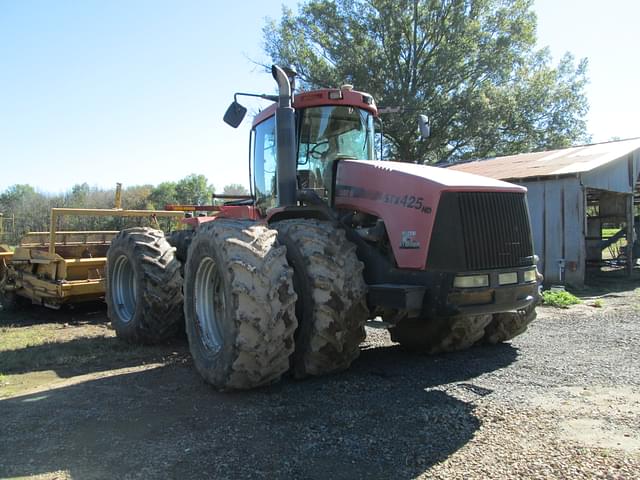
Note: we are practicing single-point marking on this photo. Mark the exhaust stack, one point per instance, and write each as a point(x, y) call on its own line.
point(285, 140)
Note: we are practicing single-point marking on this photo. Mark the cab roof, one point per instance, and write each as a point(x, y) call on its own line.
point(327, 96)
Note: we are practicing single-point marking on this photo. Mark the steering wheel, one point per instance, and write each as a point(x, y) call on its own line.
point(315, 153)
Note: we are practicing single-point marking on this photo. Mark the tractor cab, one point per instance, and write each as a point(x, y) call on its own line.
point(330, 125)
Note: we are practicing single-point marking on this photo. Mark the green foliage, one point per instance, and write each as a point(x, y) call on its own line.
point(597, 303)
point(164, 194)
point(472, 66)
point(609, 232)
point(560, 299)
point(194, 190)
point(27, 210)
point(235, 189)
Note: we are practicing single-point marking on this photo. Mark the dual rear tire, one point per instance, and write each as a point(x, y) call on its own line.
point(239, 305)
point(255, 309)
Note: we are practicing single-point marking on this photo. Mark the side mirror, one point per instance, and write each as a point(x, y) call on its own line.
point(234, 114)
point(423, 123)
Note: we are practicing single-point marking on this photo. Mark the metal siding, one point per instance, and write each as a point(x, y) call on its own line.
point(573, 238)
point(553, 231)
point(535, 199)
point(613, 177)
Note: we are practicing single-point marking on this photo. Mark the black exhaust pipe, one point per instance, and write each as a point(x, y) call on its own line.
point(285, 141)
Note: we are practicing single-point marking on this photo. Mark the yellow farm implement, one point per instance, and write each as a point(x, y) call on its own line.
point(53, 268)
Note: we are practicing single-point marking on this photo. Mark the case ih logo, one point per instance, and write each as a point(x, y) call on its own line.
point(408, 239)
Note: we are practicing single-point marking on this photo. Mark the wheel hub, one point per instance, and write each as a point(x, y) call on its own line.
point(125, 289)
point(209, 303)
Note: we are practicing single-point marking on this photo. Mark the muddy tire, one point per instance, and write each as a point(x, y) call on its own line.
point(331, 307)
point(144, 286)
point(442, 334)
point(239, 304)
point(505, 326)
point(181, 239)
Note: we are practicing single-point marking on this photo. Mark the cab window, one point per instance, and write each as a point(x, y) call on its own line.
point(264, 163)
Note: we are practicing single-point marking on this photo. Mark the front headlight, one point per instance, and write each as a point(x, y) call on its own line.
point(508, 278)
point(530, 275)
point(471, 281)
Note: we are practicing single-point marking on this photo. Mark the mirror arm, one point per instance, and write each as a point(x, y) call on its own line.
point(273, 98)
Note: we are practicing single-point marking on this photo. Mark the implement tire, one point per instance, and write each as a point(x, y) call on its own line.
point(239, 304)
point(144, 286)
point(331, 307)
point(505, 326)
point(442, 334)
point(8, 301)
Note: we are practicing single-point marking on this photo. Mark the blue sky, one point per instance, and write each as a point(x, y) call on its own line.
point(134, 91)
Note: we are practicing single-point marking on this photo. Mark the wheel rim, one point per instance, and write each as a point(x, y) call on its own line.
point(209, 303)
point(125, 290)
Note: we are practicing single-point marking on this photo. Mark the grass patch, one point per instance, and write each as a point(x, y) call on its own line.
point(609, 232)
point(614, 250)
point(598, 303)
point(84, 347)
point(559, 299)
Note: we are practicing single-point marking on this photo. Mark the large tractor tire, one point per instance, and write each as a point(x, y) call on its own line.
point(144, 286)
point(181, 239)
point(331, 307)
point(442, 334)
point(505, 326)
point(239, 304)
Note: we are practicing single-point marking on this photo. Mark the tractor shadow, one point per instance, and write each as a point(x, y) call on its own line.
point(389, 416)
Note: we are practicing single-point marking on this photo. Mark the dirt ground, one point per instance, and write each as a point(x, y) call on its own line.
point(561, 401)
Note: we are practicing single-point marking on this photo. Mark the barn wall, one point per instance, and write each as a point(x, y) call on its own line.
point(619, 176)
point(557, 215)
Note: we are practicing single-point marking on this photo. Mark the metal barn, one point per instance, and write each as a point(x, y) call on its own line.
point(573, 193)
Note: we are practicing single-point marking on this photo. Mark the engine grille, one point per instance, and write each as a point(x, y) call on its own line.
point(481, 230)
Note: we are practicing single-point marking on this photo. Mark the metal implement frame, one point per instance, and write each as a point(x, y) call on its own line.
point(101, 212)
point(48, 278)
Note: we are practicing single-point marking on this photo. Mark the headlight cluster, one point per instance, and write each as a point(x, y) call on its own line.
point(508, 278)
point(471, 281)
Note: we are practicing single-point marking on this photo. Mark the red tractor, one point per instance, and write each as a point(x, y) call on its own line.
point(285, 280)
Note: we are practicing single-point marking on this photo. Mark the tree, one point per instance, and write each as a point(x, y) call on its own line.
point(194, 189)
point(16, 195)
point(164, 194)
point(471, 65)
point(235, 189)
point(25, 207)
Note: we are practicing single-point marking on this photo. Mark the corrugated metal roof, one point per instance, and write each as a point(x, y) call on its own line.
point(552, 163)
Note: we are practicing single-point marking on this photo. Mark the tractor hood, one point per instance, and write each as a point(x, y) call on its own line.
point(445, 178)
point(405, 196)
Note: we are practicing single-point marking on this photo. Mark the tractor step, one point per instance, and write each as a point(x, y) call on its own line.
point(398, 297)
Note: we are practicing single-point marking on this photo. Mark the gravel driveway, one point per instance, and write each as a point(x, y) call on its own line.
point(561, 401)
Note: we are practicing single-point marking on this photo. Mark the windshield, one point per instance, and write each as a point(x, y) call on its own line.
point(333, 132)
